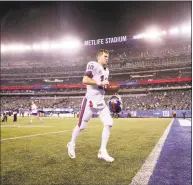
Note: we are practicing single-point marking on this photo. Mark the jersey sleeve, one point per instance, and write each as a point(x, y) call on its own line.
point(90, 69)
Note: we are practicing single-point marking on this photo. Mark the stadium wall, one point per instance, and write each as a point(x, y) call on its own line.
point(153, 114)
point(51, 112)
point(83, 86)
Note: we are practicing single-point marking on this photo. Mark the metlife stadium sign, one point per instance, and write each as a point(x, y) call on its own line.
point(111, 40)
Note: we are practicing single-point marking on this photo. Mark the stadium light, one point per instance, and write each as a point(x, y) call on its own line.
point(45, 46)
point(71, 44)
point(36, 46)
point(55, 46)
point(174, 31)
point(28, 47)
point(16, 48)
point(164, 33)
point(11, 47)
point(23, 48)
point(76, 44)
point(140, 36)
point(152, 33)
point(3, 49)
point(186, 29)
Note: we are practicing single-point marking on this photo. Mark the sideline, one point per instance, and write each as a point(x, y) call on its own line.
point(144, 174)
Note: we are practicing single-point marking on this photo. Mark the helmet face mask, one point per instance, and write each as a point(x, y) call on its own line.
point(115, 104)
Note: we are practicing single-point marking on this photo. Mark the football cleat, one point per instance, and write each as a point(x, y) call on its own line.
point(105, 156)
point(71, 150)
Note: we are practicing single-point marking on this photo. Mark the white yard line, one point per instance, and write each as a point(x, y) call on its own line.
point(24, 126)
point(144, 174)
point(34, 135)
point(9, 125)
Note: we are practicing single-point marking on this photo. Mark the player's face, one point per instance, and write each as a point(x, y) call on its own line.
point(103, 59)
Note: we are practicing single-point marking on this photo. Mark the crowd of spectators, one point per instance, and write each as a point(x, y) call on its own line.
point(114, 77)
point(173, 49)
point(129, 62)
point(172, 99)
point(60, 71)
point(169, 100)
point(24, 102)
point(128, 57)
point(116, 54)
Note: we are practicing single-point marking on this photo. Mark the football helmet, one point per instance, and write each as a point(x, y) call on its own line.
point(115, 103)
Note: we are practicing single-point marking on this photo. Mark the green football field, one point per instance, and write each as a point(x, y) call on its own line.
point(37, 154)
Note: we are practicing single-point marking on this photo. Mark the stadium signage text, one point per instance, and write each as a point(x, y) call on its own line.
point(105, 41)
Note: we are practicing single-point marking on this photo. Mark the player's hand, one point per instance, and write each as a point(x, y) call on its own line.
point(105, 82)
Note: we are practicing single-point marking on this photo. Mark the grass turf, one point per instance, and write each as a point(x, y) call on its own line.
point(44, 160)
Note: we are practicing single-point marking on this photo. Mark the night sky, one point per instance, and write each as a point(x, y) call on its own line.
point(28, 21)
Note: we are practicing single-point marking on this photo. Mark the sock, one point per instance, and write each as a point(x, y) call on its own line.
point(75, 134)
point(31, 121)
point(105, 137)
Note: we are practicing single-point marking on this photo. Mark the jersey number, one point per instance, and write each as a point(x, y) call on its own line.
point(102, 79)
point(90, 67)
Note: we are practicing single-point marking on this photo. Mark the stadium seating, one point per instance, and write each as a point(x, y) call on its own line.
point(172, 99)
point(126, 64)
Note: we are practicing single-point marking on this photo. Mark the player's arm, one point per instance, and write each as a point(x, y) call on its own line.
point(88, 81)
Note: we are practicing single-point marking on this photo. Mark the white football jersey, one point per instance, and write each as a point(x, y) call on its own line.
point(34, 108)
point(99, 74)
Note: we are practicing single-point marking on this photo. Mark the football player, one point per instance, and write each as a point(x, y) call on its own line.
point(96, 77)
point(34, 112)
